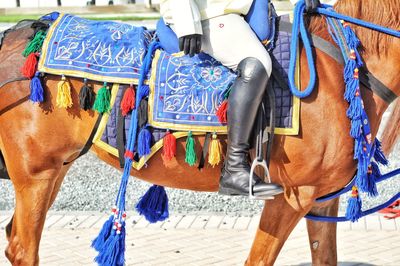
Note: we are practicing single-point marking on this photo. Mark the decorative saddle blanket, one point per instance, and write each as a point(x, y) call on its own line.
point(184, 92)
point(98, 50)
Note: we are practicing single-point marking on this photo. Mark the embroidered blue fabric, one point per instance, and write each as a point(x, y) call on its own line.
point(81, 47)
point(188, 90)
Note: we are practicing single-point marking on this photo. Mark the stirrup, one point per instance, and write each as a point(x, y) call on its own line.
point(263, 164)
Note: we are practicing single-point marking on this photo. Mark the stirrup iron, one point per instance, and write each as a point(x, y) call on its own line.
point(259, 160)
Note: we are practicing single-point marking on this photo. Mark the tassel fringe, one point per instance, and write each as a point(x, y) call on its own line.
point(37, 92)
point(154, 204)
point(64, 99)
point(86, 96)
point(191, 156)
point(144, 142)
point(214, 157)
point(128, 101)
point(28, 70)
point(102, 102)
point(169, 148)
point(353, 211)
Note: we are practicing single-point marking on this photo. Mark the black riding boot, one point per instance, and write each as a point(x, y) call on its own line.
point(243, 103)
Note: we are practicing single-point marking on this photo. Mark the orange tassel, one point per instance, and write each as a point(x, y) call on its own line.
point(222, 112)
point(29, 68)
point(128, 101)
point(169, 149)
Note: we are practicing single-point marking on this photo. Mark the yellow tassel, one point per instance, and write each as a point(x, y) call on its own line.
point(64, 99)
point(214, 152)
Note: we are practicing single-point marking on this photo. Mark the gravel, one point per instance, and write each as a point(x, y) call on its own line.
point(91, 185)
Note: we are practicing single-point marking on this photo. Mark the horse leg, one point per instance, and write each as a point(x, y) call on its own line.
point(322, 235)
point(11, 250)
point(278, 219)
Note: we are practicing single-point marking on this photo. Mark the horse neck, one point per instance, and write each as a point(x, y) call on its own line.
point(382, 64)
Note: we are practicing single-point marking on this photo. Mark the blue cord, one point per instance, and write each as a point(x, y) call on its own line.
point(363, 213)
point(299, 26)
point(330, 13)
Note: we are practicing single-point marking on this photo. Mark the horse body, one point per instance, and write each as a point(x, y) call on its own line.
point(36, 140)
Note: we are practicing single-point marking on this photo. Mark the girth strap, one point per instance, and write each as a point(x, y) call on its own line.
point(89, 141)
point(366, 77)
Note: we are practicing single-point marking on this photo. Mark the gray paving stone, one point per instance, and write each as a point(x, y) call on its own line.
point(219, 245)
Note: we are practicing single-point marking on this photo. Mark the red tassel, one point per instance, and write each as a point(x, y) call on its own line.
point(222, 112)
point(29, 68)
point(128, 101)
point(169, 149)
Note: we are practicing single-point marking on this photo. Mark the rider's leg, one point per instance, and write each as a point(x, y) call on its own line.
point(230, 40)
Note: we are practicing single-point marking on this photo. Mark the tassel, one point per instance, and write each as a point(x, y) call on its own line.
point(102, 102)
point(355, 130)
point(169, 149)
point(37, 91)
point(154, 204)
point(191, 156)
point(29, 68)
point(35, 44)
point(222, 112)
point(353, 211)
point(355, 109)
point(64, 99)
point(214, 157)
point(100, 240)
point(128, 101)
point(144, 142)
point(379, 156)
point(86, 96)
point(113, 252)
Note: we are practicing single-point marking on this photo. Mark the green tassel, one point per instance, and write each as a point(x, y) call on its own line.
point(102, 102)
point(190, 157)
point(35, 44)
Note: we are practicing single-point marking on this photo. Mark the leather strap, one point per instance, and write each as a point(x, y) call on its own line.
point(3, 168)
point(204, 151)
point(121, 135)
point(2, 84)
point(89, 142)
point(366, 77)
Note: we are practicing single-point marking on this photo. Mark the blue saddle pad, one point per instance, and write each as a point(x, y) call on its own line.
point(185, 92)
point(98, 50)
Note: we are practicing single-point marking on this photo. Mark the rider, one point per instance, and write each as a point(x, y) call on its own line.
point(218, 28)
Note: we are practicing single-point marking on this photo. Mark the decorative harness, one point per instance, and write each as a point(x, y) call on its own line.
point(360, 128)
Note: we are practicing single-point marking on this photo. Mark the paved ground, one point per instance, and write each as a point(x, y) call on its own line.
point(206, 240)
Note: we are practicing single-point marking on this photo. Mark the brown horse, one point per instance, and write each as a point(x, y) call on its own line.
point(36, 140)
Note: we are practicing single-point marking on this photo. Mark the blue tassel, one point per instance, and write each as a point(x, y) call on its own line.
point(379, 156)
point(351, 88)
point(109, 256)
point(98, 242)
point(144, 142)
point(355, 109)
point(36, 89)
point(353, 211)
point(349, 70)
point(370, 181)
point(355, 130)
point(154, 204)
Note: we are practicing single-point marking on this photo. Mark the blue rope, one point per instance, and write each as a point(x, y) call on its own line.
point(348, 187)
point(323, 10)
point(299, 26)
point(333, 219)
